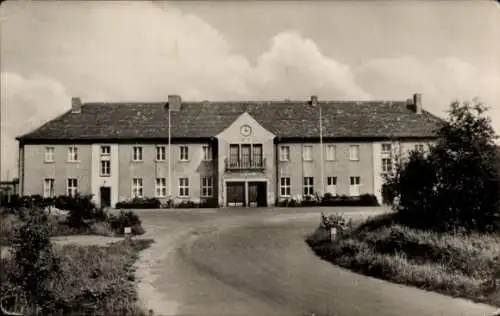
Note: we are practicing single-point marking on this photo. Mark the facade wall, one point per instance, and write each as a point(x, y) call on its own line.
point(258, 135)
point(98, 180)
point(342, 167)
point(36, 169)
point(149, 169)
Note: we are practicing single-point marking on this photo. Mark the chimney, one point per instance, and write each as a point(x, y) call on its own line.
point(76, 105)
point(417, 103)
point(314, 100)
point(174, 102)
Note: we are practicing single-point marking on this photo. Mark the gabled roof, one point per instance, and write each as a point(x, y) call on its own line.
point(286, 119)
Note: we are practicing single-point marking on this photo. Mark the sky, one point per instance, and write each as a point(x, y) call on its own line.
point(223, 50)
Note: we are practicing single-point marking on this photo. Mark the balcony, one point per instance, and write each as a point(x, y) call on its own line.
point(254, 164)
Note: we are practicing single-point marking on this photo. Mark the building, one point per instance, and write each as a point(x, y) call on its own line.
point(239, 153)
point(8, 189)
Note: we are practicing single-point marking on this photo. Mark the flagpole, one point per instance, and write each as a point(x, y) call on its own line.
point(322, 149)
point(169, 159)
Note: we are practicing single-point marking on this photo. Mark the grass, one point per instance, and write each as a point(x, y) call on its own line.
point(92, 280)
point(459, 265)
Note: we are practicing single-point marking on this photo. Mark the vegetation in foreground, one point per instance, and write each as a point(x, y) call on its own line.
point(39, 279)
point(444, 235)
point(460, 265)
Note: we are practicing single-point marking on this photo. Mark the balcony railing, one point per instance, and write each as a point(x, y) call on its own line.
point(255, 164)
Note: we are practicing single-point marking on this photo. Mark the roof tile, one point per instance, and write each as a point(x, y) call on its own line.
point(285, 119)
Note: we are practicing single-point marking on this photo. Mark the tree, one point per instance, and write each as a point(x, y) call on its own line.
point(457, 184)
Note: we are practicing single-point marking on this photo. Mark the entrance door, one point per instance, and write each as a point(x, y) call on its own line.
point(235, 193)
point(105, 195)
point(257, 193)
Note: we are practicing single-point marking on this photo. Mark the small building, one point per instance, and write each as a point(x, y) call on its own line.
point(234, 152)
point(8, 189)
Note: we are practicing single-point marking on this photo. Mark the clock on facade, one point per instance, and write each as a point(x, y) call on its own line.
point(245, 130)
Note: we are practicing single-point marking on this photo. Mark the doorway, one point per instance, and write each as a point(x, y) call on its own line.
point(105, 196)
point(257, 193)
point(235, 193)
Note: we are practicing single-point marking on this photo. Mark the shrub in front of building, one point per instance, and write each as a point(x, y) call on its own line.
point(126, 219)
point(331, 200)
point(139, 203)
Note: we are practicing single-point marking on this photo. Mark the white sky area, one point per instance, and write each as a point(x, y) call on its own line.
point(144, 51)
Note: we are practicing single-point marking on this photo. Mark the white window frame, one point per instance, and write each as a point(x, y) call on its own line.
point(207, 153)
point(284, 153)
point(161, 153)
point(386, 160)
point(137, 188)
point(331, 152)
point(72, 187)
point(331, 185)
point(105, 168)
point(354, 188)
point(285, 186)
point(307, 149)
point(105, 150)
point(354, 152)
point(161, 187)
point(207, 186)
point(50, 154)
point(308, 186)
point(73, 153)
point(137, 153)
point(184, 187)
point(48, 187)
point(184, 153)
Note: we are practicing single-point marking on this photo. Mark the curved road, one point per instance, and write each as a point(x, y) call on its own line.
point(255, 262)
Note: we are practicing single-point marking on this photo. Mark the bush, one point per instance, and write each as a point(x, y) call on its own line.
point(92, 281)
point(140, 203)
point(35, 263)
point(456, 186)
point(126, 219)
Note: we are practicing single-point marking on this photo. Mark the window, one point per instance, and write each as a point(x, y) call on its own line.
point(73, 153)
point(207, 153)
point(245, 156)
point(49, 154)
point(331, 185)
point(105, 168)
point(137, 155)
point(354, 152)
point(184, 153)
point(354, 187)
point(331, 152)
point(285, 189)
point(207, 186)
point(386, 148)
point(137, 188)
point(72, 187)
point(160, 153)
point(183, 187)
point(105, 150)
point(307, 153)
point(386, 165)
point(48, 187)
point(308, 186)
point(161, 187)
point(284, 153)
point(419, 147)
point(386, 158)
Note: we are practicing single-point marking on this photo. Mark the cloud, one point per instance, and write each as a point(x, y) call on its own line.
point(440, 80)
point(295, 66)
point(25, 104)
point(143, 51)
